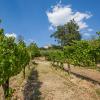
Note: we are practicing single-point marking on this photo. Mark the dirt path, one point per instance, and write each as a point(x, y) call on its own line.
point(45, 83)
point(89, 74)
point(56, 86)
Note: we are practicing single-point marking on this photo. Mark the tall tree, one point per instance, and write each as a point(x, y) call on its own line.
point(65, 34)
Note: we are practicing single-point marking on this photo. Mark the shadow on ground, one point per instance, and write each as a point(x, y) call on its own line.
point(31, 89)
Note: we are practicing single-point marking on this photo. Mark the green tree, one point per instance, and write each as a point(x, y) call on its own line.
point(33, 50)
point(13, 58)
point(98, 33)
point(68, 54)
point(67, 33)
point(83, 55)
point(9, 61)
point(24, 55)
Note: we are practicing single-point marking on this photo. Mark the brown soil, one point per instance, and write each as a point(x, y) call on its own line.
point(45, 83)
point(89, 74)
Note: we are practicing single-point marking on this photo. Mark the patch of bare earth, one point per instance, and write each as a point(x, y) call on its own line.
point(58, 86)
point(45, 83)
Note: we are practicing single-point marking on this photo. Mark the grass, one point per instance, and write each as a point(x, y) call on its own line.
point(98, 92)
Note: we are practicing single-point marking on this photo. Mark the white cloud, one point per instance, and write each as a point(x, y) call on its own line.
point(30, 40)
point(60, 15)
point(88, 35)
point(10, 35)
point(90, 30)
point(51, 28)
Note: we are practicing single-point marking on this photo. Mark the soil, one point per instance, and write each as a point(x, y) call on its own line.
point(89, 74)
point(43, 82)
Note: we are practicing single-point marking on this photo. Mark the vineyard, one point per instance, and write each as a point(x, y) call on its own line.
point(15, 57)
point(30, 72)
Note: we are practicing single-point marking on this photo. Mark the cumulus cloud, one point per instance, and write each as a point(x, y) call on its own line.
point(60, 15)
point(10, 35)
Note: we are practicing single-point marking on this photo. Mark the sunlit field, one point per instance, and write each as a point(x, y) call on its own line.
point(49, 50)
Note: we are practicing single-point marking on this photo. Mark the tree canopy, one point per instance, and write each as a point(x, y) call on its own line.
point(66, 33)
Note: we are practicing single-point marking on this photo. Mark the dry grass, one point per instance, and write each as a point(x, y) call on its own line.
point(45, 83)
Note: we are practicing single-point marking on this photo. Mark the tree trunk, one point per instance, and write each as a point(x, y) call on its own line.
point(29, 65)
point(69, 69)
point(6, 89)
point(24, 72)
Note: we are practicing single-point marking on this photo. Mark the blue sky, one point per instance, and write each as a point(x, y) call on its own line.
point(35, 20)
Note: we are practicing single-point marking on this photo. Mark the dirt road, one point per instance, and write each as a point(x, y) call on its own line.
point(56, 85)
point(45, 83)
point(88, 74)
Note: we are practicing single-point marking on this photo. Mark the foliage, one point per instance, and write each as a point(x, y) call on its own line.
point(9, 62)
point(98, 33)
point(13, 58)
point(81, 53)
point(65, 34)
point(33, 50)
point(57, 58)
point(23, 55)
point(9, 59)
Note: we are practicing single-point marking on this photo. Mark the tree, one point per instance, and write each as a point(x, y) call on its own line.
point(33, 50)
point(83, 55)
point(9, 61)
point(98, 33)
point(13, 58)
point(24, 55)
point(65, 34)
point(68, 54)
